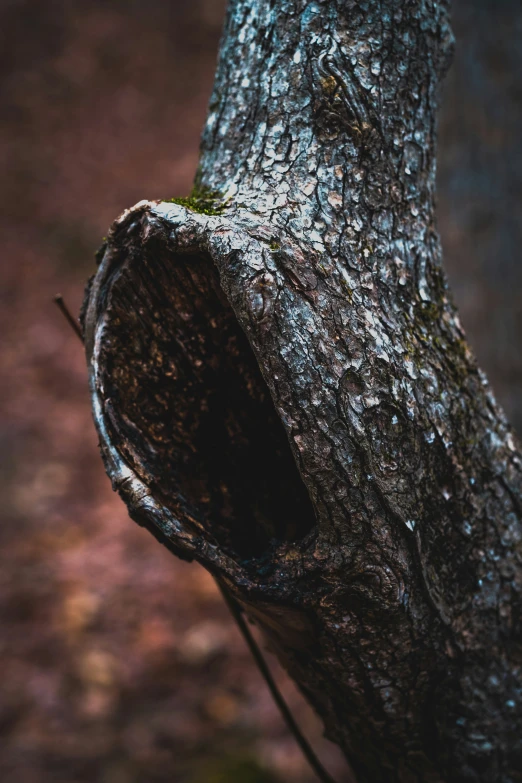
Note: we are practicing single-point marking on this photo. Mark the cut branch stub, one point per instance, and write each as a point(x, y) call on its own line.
point(186, 404)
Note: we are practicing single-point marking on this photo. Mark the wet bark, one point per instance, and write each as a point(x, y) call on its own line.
point(283, 391)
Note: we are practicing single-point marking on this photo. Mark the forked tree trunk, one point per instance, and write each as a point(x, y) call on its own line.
point(283, 391)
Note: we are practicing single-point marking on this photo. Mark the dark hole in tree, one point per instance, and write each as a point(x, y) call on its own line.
point(190, 410)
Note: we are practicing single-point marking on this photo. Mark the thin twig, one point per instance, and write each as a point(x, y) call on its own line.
point(73, 323)
point(262, 665)
point(251, 643)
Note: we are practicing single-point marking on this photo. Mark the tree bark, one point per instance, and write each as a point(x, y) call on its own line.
point(283, 391)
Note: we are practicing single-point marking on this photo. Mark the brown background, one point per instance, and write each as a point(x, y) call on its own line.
point(118, 664)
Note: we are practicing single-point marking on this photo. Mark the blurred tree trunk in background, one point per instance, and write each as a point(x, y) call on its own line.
point(480, 187)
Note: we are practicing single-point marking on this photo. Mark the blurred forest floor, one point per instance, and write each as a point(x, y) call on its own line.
point(119, 663)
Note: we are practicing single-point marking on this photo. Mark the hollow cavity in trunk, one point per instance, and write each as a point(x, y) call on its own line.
point(190, 410)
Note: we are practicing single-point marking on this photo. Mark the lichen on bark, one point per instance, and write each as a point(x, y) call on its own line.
point(283, 391)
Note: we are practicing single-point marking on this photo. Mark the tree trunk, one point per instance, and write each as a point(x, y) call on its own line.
point(283, 391)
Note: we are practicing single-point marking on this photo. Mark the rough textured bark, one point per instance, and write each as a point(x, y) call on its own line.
point(283, 390)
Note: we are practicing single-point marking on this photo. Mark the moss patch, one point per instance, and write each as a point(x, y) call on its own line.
point(202, 199)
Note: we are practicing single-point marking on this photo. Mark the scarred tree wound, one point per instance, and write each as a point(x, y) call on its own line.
point(283, 391)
